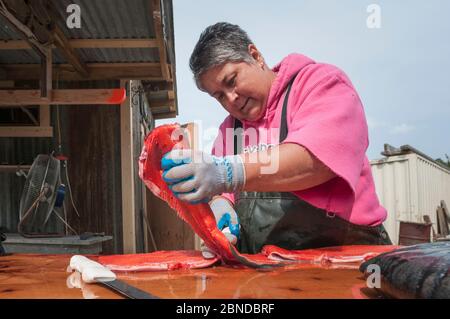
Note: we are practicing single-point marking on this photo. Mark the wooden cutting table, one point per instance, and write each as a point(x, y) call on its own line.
point(45, 277)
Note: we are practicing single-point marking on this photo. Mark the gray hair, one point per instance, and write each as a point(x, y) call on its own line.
point(219, 43)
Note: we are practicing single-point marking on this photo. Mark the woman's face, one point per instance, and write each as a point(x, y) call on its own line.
point(242, 88)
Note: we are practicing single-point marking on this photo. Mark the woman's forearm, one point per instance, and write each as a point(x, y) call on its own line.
point(283, 168)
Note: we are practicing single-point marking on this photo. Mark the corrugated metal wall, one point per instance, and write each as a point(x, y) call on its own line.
point(143, 122)
point(409, 187)
point(17, 151)
point(91, 139)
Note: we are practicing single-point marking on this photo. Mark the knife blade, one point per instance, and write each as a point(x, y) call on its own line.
point(127, 290)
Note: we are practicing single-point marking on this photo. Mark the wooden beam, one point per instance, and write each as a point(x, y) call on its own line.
point(26, 131)
point(24, 24)
point(68, 52)
point(44, 115)
point(162, 103)
point(22, 29)
point(155, 6)
point(87, 44)
point(161, 99)
point(97, 71)
point(152, 87)
point(165, 94)
point(165, 116)
point(14, 168)
point(63, 97)
point(46, 74)
point(127, 168)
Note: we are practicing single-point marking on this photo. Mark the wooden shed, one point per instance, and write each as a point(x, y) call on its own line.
point(86, 80)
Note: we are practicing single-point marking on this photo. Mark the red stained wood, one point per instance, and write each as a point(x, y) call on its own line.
point(45, 276)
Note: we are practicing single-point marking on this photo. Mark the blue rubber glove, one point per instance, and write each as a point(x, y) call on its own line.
point(196, 177)
point(227, 221)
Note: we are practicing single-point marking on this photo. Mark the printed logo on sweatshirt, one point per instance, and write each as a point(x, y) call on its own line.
point(257, 148)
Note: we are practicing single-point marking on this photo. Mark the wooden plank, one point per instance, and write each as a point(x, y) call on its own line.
point(44, 115)
point(114, 43)
point(443, 229)
point(87, 43)
point(46, 74)
point(411, 233)
point(14, 168)
point(427, 220)
point(165, 116)
point(97, 71)
point(6, 84)
point(162, 103)
point(26, 131)
point(167, 228)
point(154, 87)
point(161, 94)
point(446, 211)
point(63, 97)
point(127, 169)
point(68, 52)
point(155, 6)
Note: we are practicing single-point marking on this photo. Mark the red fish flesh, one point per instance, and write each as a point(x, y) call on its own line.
point(201, 219)
point(158, 260)
point(191, 259)
point(160, 141)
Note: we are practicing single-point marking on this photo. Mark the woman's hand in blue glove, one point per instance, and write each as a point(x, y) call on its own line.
point(227, 221)
point(196, 177)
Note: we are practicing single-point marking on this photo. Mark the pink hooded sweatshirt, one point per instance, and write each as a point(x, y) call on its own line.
point(324, 115)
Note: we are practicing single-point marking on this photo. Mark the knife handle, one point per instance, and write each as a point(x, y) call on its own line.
point(90, 270)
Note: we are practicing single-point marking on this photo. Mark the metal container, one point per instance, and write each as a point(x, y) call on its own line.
point(410, 185)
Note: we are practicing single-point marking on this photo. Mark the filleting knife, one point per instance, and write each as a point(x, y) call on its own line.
point(93, 272)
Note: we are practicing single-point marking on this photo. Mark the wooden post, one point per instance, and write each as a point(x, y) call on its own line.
point(44, 115)
point(127, 163)
point(192, 141)
point(46, 74)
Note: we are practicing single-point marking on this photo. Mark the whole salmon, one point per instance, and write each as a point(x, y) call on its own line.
point(419, 271)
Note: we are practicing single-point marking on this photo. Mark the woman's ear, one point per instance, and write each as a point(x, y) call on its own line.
point(255, 54)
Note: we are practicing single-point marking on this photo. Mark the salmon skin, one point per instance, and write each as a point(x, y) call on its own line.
point(328, 255)
point(419, 271)
point(200, 218)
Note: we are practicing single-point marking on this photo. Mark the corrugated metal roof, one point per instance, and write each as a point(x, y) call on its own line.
point(119, 55)
point(100, 19)
point(108, 19)
point(27, 56)
point(6, 32)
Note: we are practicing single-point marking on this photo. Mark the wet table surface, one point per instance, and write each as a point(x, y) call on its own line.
point(45, 276)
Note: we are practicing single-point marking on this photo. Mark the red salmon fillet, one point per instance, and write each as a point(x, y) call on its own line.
point(201, 219)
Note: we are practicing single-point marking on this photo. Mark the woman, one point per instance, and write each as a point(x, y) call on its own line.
point(307, 185)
